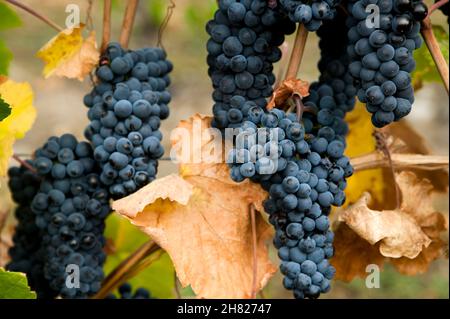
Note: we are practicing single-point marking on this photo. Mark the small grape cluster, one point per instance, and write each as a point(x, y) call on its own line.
point(304, 176)
point(126, 292)
point(125, 109)
point(274, 148)
point(27, 253)
point(310, 13)
point(382, 58)
point(333, 96)
point(245, 36)
point(70, 209)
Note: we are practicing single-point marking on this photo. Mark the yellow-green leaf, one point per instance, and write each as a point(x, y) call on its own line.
point(425, 68)
point(5, 109)
point(19, 96)
point(14, 285)
point(123, 239)
point(360, 141)
point(8, 18)
point(69, 55)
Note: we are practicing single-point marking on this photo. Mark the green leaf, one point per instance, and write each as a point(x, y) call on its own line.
point(5, 57)
point(5, 109)
point(14, 285)
point(8, 18)
point(125, 238)
point(425, 68)
point(157, 11)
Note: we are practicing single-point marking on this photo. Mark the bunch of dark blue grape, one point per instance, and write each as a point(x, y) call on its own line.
point(334, 95)
point(125, 109)
point(27, 253)
point(245, 36)
point(304, 176)
point(70, 209)
point(382, 57)
point(310, 13)
point(126, 292)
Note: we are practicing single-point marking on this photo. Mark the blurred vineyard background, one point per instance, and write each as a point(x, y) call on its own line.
point(60, 109)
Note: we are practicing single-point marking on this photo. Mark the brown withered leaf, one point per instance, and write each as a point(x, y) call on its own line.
point(352, 254)
point(396, 231)
point(414, 143)
point(201, 218)
point(286, 89)
point(408, 237)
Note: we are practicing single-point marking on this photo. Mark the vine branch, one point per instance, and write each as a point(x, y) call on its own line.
point(106, 35)
point(128, 21)
point(297, 52)
point(400, 161)
point(117, 275)
point(435, 51)
point(36, 14)
point(254, 249)
point(436, 6)
point(25, 164)
point(383, 147)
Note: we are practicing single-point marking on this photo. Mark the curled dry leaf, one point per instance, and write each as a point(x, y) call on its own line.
point(286, 89)
point(406, 147)
point(69, 55)
point(201, 218)
point(409, 237)
point(414, 143)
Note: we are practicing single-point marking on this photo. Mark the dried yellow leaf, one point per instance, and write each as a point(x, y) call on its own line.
point(69, 55)
point(409, 237)
point(202, 219)
point(360, 141)
point(19, 96)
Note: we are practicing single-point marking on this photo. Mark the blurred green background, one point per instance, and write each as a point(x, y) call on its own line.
point(60, 109)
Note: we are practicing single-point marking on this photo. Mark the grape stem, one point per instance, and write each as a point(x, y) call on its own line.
point(383, 147)
point(297, 52)
point(25, 164)
point(378, 159)
point(128, 21)
point(89, 22)
point(254, 249)
point(165, 22)
point(106, 35)
point(36, 14)
point(436, 6)
point(119, 274)
point(435, 51)
point(299, 106)
point(177, 289)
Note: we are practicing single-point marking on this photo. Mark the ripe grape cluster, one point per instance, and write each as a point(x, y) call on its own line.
point(69, 211)
point(300, 164)
point(305, 176)
point(310, 13)
point(125, 109)
point(333, 96)
point(243, 45)
point(126, 292)
point(27, 253)
point(382, 56)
